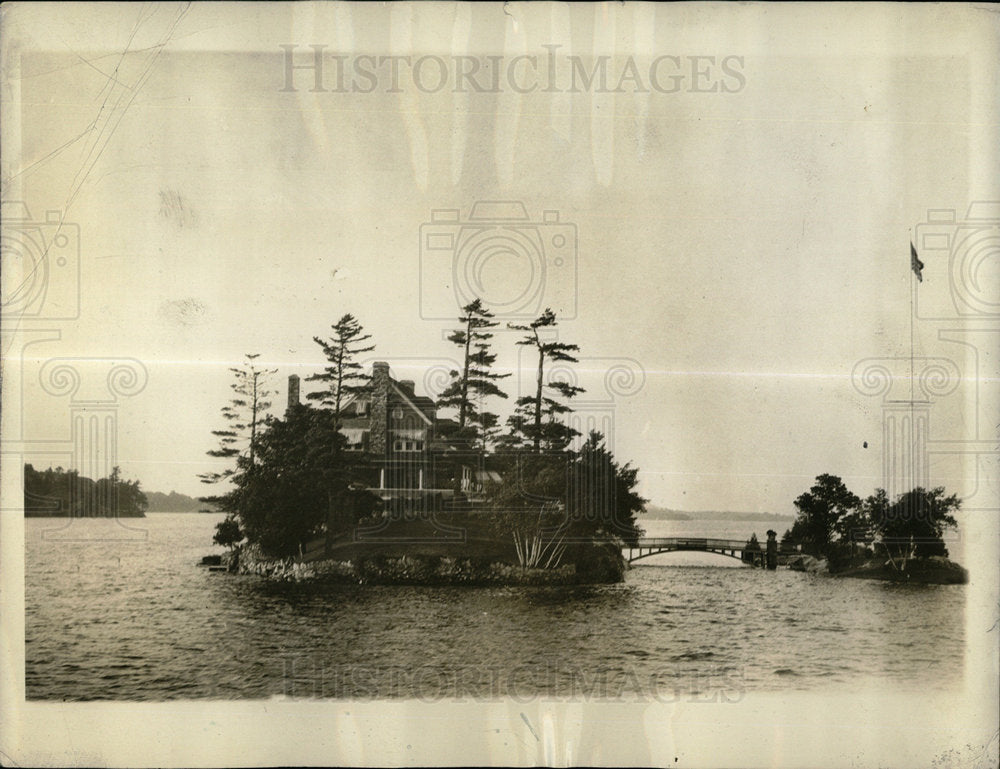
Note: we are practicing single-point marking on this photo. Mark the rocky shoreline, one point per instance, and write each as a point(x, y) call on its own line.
point(934, 570)
point(431, 570)
point(808, 564)
point(423, 569)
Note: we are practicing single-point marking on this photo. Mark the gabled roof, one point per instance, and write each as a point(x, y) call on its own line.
point(421, 404)
point(410, 400)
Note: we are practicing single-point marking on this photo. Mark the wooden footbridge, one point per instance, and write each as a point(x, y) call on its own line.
point(734, 548)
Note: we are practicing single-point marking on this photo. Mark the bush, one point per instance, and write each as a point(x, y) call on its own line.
point(844, 555)
point(598, 562)
point(228, 532)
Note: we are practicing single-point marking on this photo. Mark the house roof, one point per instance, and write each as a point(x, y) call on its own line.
point(421, 404)
point(414, 400)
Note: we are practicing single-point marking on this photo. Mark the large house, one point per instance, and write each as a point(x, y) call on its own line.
point(411, 463)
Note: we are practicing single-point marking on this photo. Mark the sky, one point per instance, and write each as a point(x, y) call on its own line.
point(733, 223)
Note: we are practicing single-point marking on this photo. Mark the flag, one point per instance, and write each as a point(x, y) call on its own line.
point(916, 264)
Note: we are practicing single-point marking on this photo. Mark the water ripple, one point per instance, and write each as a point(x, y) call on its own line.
point(113, 620)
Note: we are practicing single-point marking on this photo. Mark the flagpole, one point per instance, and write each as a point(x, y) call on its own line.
point(916, 267)
point(913, 429)
point(913, 290)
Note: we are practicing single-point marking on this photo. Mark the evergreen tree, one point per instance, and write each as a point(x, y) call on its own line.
point(476, 381)
point(601, 496)
point(118, 496)
point(535, 421)
point(228, 532)
point(245, 414)
point(344, 375)
point(489, 430)
point(283, 503)
point(567, 506)
point(913, 526)
point(821, 509)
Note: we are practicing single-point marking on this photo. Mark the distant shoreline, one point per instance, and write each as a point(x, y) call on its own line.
point(666, 514)
point(182, 512)
point(175, 502)
point(50, 514)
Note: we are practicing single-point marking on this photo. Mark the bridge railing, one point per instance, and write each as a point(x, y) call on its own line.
point(698, 542)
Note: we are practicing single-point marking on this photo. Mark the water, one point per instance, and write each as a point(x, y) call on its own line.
point(113, 613)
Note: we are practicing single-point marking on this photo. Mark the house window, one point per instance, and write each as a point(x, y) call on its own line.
point(397, 446)
point(420, 445)
point(409, 445)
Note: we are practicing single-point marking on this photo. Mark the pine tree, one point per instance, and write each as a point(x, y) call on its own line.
point(820, 509)
point(286, 502)
point(536, 418)
point(601, 492)
point(245, 415)
point(344, 376)
point(489, 430)
point(476, 381)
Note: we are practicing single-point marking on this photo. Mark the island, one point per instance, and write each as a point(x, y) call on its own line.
point(373, 480)
point(896, 540)
point(65, 493)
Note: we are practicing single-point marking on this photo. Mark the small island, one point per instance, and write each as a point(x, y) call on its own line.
point(65, 493)
point(375, 482)
point(900, 540)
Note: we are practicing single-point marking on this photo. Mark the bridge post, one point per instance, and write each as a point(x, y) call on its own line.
point(772, 550)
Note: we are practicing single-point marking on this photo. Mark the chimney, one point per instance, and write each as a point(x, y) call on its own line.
point(407, 385)
point(293, 391)
point(378, 431)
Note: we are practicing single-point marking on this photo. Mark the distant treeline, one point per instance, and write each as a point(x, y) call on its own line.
point(663, 513)
point(66, 493)
point(175, 502)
